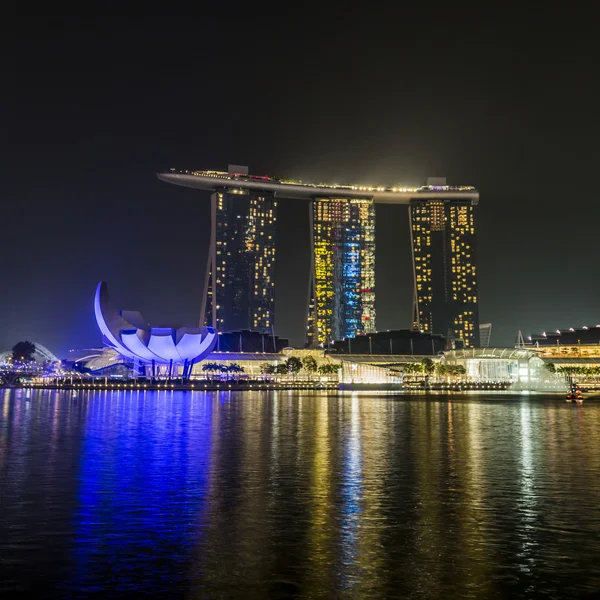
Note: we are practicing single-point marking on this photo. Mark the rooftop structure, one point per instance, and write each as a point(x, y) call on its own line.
point(577, 343)
point(293, 189)
point(244, 341)
point(401, 341)
point(566, 337)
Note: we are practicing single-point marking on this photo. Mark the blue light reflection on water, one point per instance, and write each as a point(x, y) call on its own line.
point(351, 493)
point(156, 461)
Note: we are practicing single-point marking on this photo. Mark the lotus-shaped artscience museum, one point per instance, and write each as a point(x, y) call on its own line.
point(131, 336)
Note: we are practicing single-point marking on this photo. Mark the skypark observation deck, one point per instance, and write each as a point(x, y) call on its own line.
point(213, 180)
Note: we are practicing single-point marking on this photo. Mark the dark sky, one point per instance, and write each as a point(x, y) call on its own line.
point(503, 101)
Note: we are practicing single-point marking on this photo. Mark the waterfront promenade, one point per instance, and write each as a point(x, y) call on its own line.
point(249, 385)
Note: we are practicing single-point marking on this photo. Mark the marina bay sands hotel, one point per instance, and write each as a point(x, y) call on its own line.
point(240, 274)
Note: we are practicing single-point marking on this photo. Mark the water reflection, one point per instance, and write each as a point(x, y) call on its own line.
point(143, 473)
point(297, 495)
point(351, 495)
point(527, 501)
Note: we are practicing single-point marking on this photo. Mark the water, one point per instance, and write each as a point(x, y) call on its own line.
point(297, 495)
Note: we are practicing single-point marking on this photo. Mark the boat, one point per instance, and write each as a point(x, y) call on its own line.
point(575, 396)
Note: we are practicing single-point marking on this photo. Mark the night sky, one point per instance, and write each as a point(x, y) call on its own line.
point(505, 102)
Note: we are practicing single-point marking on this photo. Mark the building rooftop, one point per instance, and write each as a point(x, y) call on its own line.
point(578, 335)
point(510, 353)
point(293, 189)
point(388, 359)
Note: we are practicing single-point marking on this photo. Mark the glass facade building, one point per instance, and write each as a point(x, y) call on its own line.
point(240, 278)
point(445, 272)
point(342, 295)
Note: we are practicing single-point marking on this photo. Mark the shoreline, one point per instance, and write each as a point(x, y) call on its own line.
point(211, 386)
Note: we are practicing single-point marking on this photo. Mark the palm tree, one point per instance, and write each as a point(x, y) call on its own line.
point(412, 368)
point(225, 369)
point(235, 368)
point(211, 367)
point(428, 366)
point(329, 368)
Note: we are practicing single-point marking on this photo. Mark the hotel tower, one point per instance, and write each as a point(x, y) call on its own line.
point(342, 284)
point(240, 275)
point(445, 296)
point(240, 282)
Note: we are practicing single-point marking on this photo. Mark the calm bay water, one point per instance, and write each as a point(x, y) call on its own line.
point(298, 494)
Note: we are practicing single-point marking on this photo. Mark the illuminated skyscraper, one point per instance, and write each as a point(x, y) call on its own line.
point(239, 286)
point(445, 273)
point(342, 298)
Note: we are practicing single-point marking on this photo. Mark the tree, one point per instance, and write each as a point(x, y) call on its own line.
point(551, 367)
point(235, 369)
point(428, 366)
point(568, 372)
point(211, 367)
point(267, 369)
point(329, 368)
point(455, 370)
point(441, 369)
point(294, 365)
point(23, 351)
point(310, 364)
point(413, 368)
point(282, 368)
